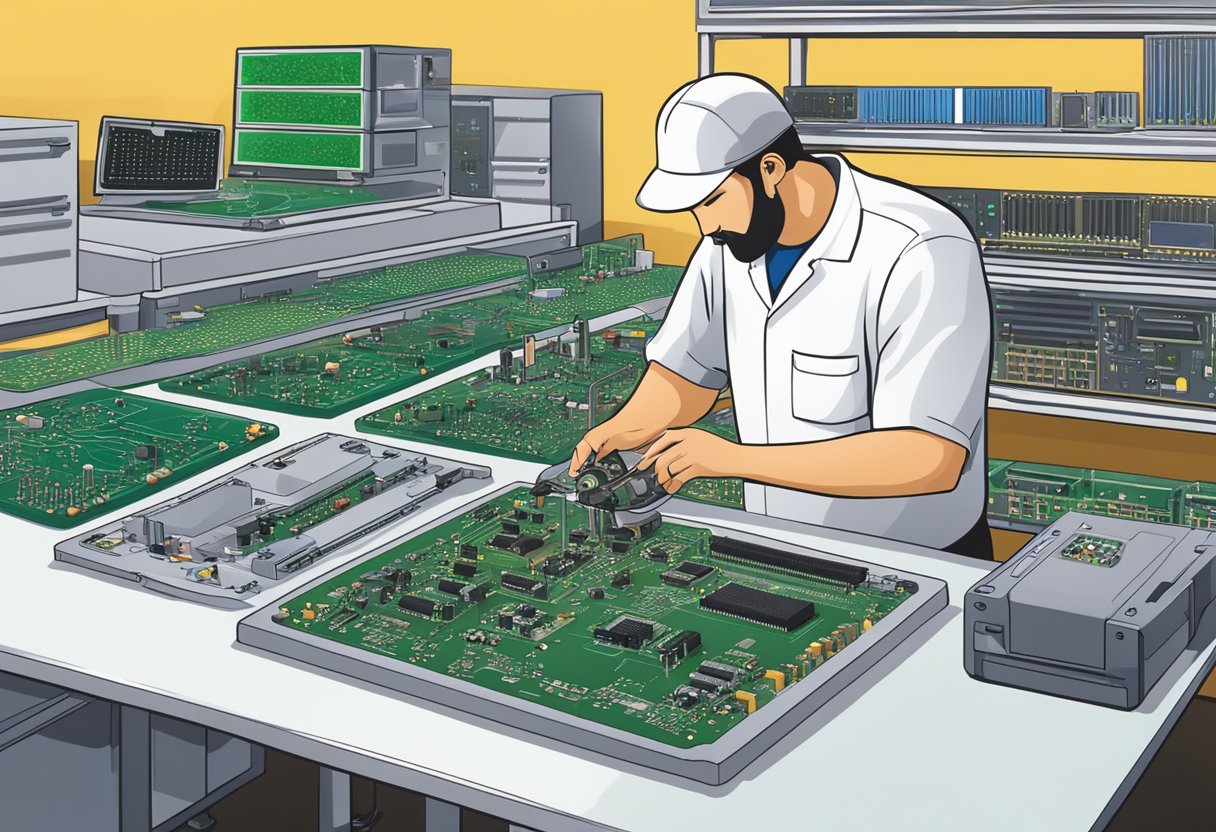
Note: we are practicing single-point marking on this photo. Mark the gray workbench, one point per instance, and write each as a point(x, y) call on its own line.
point(915, 745)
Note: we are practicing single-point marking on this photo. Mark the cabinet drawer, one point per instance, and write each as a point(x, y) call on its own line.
point(37, 163)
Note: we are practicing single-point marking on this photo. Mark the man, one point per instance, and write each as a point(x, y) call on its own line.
point(849, 315)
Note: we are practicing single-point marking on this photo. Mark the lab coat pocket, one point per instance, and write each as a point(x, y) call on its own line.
point(827, 389)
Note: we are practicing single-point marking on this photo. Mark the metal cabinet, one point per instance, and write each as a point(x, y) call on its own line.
point(538, 151)
point(38, 210)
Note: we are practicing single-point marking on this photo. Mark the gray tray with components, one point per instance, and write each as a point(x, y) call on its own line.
point(198, 545)
point(713, 763)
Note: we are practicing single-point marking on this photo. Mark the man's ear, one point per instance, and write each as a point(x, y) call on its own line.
point(772, 171)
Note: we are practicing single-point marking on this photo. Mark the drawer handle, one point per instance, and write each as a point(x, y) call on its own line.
point(16, 150)
point(53, 205)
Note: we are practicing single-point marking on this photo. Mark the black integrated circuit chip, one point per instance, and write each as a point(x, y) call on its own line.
point(626, 631)
point(686, 573)
point(416, 605)
point(520, 583)
point(527, 544)
point(759, 606)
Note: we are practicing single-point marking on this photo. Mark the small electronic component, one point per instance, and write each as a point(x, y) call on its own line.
point(678, 647)
point(1097, 551)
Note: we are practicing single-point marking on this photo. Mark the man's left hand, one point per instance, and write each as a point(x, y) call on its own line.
point(680, 456)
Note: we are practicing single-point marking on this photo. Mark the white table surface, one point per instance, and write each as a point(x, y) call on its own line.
point(919, 745)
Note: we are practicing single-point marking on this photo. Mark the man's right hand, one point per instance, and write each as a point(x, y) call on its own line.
point(606, 438)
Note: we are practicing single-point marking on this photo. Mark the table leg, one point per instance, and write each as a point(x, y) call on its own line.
point(441, 816)
point(134, 769)
point(333, 811)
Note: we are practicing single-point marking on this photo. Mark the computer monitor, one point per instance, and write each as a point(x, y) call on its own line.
point(142, 156)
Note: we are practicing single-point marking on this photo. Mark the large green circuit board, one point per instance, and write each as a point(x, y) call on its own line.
point(268, 316)
point(1033, 494)
point(539, 413)
point(332, 375)
point(66, 459)
point(260, 198)
point(667, 633)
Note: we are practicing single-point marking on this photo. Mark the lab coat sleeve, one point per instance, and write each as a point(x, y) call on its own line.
point(934, 336)
point(692, 340)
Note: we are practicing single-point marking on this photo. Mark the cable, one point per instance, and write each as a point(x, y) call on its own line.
point(372, 816)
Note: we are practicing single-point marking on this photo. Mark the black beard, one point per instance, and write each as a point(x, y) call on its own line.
point(763, 229)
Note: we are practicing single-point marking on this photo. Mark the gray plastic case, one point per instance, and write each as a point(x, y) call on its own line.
point(209, 519)
point(714, 763)
point(1101, 634)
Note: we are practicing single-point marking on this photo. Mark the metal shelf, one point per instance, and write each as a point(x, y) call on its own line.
point(1182, 145)
point(996, 18)
point(1103, 408)
point(1137, 277)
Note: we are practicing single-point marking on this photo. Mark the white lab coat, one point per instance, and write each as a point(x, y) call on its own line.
point(884, 322)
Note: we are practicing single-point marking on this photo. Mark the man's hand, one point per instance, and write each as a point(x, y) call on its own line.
point(680, 456)
point(604, 439)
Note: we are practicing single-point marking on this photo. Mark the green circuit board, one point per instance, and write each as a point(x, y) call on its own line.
point(300, 68)
point(666, 632)
point(69, 458)
point(299, 149)
point(538, 413)
point(250, 198)
point(268, 316)
point(1035, 494)
point(317, 108)
point(332, 375)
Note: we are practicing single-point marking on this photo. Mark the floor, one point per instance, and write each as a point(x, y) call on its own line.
point(1176, 793)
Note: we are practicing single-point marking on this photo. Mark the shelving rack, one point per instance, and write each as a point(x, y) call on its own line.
point(798, 20)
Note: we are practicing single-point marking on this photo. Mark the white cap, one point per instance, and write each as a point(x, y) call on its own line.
point(705, 130)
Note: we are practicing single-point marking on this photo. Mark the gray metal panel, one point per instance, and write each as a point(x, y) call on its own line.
point(179, 767)
point(228, 757)
point(578, 162)
point(72, 755)
point(714, 763)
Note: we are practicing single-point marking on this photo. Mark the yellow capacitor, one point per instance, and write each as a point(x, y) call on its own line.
point(815, 650)
point(867, 624)
point(1181, 383)
point(778, 679)
point(748, 699)
point(309, 615)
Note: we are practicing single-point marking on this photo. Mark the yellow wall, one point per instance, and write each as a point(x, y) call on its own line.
point(81, 60)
